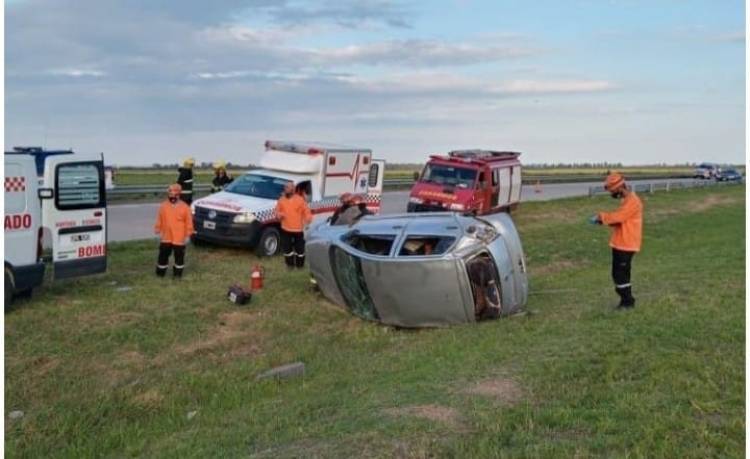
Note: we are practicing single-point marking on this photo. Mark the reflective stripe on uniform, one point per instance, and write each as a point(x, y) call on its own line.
point(162, 266)
point(179, 266)
point(187, 191)
point(188, 181)
point(622, 285)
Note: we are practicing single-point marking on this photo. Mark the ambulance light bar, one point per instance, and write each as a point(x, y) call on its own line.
point(293, 148)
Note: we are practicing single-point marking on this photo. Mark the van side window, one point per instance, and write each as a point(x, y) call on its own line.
point(372, 179)
point(375, 244)
point(495, 177)
point(426, 245)
point(79, 186)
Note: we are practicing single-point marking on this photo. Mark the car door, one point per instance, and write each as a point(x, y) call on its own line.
point(504, 188)
point(74, 211)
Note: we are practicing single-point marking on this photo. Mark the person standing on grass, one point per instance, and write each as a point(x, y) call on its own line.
point(294, 214)
point(627, 224)
point(185, 180)
point(174, 224)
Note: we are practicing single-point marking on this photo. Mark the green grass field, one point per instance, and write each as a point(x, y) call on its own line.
point(162, 177)
point(100, 372)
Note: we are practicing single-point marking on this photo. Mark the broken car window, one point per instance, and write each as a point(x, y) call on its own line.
point(485, 287)
point(347, 270)
point(374, 244)
point(426, 245)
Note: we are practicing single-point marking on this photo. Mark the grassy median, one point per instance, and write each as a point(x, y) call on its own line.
point(129, 365)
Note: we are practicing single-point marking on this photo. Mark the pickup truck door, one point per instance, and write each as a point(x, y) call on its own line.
point(74, 210)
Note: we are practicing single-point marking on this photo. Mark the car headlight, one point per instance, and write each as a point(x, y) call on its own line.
point(457, 206)
point(415, 200)
point(244, 217)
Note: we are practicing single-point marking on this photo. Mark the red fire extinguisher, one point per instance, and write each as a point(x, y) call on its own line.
point(256, 277)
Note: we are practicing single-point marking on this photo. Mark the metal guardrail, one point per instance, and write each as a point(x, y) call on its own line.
point(665, 186)
point(135, 191)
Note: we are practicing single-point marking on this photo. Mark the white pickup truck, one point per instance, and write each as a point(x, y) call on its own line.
point(244, 212)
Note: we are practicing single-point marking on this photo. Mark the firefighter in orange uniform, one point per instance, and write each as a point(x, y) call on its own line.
point(174, 224)
point(294, 214)
point(626, 223)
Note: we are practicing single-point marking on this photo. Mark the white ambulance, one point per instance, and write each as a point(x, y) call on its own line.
point(244, 212)
point(66, 204)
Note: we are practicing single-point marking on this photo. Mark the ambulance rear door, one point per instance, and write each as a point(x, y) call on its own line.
point(375, 178)
point(346, 172)
point(74, 210)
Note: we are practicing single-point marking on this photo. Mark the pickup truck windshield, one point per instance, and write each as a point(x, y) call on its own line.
point(440, 174)
point(259, 186)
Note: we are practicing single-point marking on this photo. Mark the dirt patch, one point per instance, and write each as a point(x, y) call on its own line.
point(235, 331)
point(554, 267)
point(437, 413)
point(698, 206)
point(96, 319)
point(130, 359)
point(504, 390)
point(44, 364)
point(151, 398)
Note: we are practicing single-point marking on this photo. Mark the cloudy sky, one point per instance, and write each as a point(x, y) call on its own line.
point(562, 81)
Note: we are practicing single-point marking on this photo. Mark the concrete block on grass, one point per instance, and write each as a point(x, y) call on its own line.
point(290, 370)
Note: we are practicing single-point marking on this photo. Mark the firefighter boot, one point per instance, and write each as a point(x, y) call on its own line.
point(177, 272)
point(161, 270)
point(626, 297)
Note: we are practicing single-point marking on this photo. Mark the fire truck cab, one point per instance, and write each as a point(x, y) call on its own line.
point(480, 181)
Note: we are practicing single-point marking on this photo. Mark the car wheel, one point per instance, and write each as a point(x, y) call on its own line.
point(9, 287)
point(268, 244)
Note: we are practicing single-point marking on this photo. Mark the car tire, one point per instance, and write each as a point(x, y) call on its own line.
point(9, 287)
point(269, 242)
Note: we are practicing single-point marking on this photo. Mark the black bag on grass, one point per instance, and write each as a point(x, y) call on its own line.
point(238, 295)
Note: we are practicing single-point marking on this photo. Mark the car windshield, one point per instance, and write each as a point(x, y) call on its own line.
point(450, 176)
point(259, 186)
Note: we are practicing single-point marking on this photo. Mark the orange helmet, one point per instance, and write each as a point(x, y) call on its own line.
point(357, 199)
point(614, 181)
point(174, 189)
point(345, 197)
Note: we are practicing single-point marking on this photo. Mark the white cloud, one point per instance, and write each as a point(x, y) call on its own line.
point(418, 53)
point(553, 87)
point(732, 37)
point(77, 73)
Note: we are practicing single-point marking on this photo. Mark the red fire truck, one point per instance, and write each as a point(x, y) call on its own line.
point(483, 181)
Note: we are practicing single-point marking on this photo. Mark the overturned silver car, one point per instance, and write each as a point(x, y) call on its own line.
point(421, 270)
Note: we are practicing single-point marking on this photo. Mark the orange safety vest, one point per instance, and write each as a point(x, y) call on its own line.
point(174, 222)
point(626, 223)
point(293, 213)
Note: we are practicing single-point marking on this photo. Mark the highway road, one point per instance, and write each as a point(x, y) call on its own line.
point(135, 221)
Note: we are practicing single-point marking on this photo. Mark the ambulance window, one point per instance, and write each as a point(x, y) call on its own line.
point(15, 189)
point(79, 186)
point(372, 179)
point(495, 177)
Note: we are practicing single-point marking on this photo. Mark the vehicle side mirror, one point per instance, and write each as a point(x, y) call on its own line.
point(416, 176)
point(46, 193)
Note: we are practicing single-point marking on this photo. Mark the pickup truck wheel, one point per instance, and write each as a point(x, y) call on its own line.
point(9, 287)
point(268, 244)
